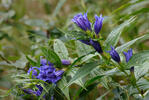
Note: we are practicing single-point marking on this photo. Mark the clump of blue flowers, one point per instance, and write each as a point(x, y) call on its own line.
point(115, 56)
point(46, 72)
point(83, 22)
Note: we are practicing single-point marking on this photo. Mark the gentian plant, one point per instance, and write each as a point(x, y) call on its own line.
point(83, 62)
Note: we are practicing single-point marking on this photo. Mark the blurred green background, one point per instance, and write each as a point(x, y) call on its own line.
point(26, 24)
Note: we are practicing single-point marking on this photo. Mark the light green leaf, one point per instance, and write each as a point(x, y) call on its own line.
point(138, 59)
point(114, 36)
point(21, 63)
point(82, 49)
point(101, 97)
point(141, 70)
point(61, 84)
point(87, 57)
point(58, 7)
point(60, 49)
point(126, 45)
point(79, 81)
point(83, 71)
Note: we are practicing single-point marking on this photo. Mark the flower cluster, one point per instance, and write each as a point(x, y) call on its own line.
point(83, 22)
point(115, 56)
point(45, 72)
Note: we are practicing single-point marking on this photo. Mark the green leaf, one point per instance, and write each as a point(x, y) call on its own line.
point(126, 45)
point(48, 87)
point(87, 57)
point(93, 79)
point(32, 62)
point(141, 70)
point(21, 63)
point(83, 71)
point(61, 84)
point(143, 10)
point(51, 56)
point(79, 81)
point(114, 36)
point(60, 49)
point(138, 59)
point(82, 49)
point(58, 7)
point(101, 97)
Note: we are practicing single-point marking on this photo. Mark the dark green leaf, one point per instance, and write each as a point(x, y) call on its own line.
point(51, 56)
point(83, 71)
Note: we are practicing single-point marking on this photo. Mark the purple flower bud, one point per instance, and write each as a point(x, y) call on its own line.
point(82, 21)
point(115, 56)
point(128, 55)
point(96, 46)
point(85, 41)
point(65, 62)
point(98, 24)
point(132, 69)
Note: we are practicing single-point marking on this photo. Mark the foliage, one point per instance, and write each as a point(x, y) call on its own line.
point(30, 29)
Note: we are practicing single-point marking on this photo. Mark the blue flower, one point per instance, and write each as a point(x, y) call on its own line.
point(96, 46)
point(128, 55)
point(44, 61)
point(82, 21)
point(65, 62)
point(47, 73)
point(37, 92)
point(42, 76)
point(115, 56)
point(33, 70)
point(55, 76)
point(98, 24)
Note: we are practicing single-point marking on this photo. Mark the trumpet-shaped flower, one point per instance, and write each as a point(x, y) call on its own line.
point(82, 21)
point(98, 24)
point(128, 55)
point(115, 56)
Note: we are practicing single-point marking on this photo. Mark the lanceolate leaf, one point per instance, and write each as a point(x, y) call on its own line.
point(141, 70)
point(138, 59)
point(64, 89)
point(114, 36)
point(33, 63)
point(82, 49)
point(79, 81)
point(51, 56)
point(83, 71)
point(60, 49)
point(126, 45)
